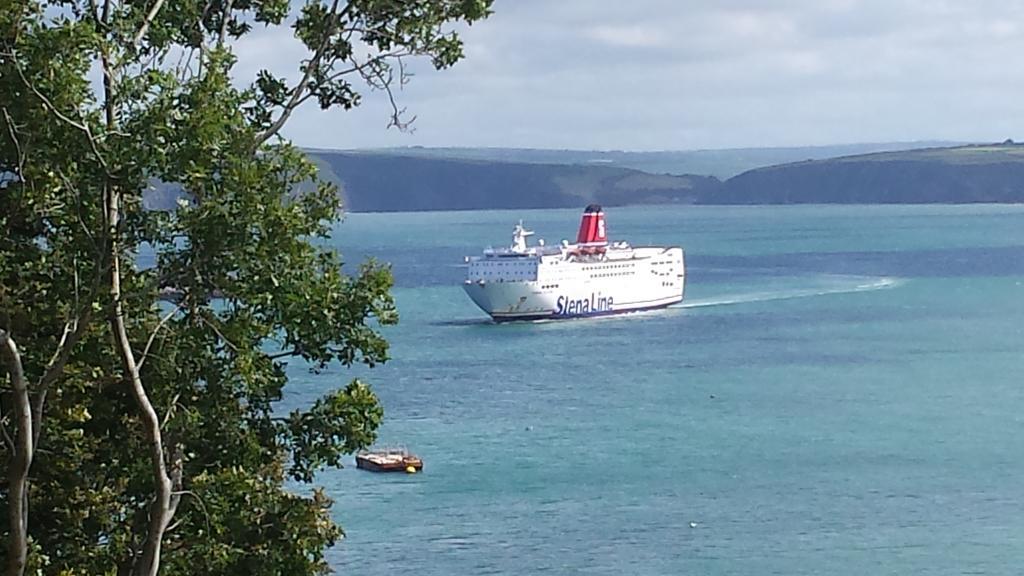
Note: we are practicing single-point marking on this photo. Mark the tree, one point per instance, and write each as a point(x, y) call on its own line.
point(139, 432)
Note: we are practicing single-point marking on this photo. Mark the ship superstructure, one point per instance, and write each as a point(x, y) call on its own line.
point(592, 277)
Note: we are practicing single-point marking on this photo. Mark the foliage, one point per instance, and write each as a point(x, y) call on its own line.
point(156, 440)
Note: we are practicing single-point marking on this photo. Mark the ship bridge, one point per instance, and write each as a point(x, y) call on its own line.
point(516, 263)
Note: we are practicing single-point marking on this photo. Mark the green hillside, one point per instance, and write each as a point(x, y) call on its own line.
point(963, 174)
point(373, 182)
point(721, 164)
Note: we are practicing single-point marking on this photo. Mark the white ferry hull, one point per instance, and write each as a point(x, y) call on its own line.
point(590, 278)
point(649, 279)
point(519, 302)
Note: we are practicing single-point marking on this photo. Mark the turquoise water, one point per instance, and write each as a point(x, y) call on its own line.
point(841, 393)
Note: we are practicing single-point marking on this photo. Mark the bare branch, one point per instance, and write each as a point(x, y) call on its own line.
point(8, 441)
point(365, 70)
point(218, 332)
point(225, 18)
point(364, 67)
point(163, 322)
point(170, 411)
point(177, 469)
point(396, 112)
point(158, 57)
point(380, 76)
point(147, 22)
point(202, 506)
point(69, 329)
point(283, 354)
point(17, 145)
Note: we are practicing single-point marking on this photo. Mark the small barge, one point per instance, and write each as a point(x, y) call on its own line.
point(389, 460)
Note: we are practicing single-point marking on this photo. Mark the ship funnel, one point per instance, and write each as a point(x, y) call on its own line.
point(592, 228)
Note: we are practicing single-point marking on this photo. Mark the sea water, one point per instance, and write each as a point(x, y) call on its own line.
point(842, 392)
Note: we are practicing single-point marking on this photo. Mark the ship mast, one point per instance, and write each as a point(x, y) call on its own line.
point(519, 236)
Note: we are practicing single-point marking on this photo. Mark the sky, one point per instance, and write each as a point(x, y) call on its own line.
point(700, 74)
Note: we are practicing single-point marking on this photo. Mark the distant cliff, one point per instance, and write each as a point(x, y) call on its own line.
point(386, 182)
point(721, 164)
point(964, 174)
point(376, 182)
point(961, 174)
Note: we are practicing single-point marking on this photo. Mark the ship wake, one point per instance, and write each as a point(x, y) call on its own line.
point(830, 285)
point(825, 285)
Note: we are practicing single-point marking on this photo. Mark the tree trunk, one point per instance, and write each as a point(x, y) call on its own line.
point(21, 459)
point(164, 503)
point(162, 508)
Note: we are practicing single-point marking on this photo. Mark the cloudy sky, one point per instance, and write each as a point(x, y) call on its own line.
point(690, 74)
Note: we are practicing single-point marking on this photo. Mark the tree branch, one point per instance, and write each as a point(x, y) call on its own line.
point(17, 145)
point(46, 101)
point(170, 411)
point(314, 62)
point(383, 82)
point(202, 506)
point(8, 441)
point(225, 18)
point(283, 354)
point(372, 72)
point(78, 213)
point(218, 332)
point(80, 321)
point(147, 22)
point(84, 128)
point(163, 322)
point(21, 459)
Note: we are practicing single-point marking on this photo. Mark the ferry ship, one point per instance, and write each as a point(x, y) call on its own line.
point(593, 277)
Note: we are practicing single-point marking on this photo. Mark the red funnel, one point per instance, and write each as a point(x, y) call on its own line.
point(592, 228)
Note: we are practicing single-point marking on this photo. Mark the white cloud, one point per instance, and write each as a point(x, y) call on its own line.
point(628, 36)
point(662, 74)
